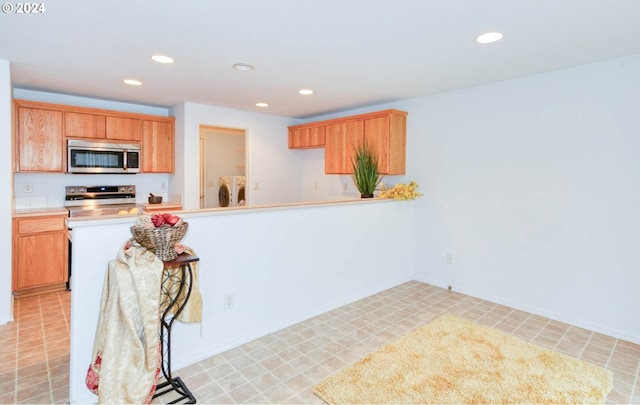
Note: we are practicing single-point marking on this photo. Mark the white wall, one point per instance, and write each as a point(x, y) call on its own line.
point(58, 98)
point(531, 185)
point(282, 265)
point(48, 188)
point(271, 168)
point(6, 159)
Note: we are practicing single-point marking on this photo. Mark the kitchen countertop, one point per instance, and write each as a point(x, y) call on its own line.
point(38, 212)
point(162, 206)
point(123, 219)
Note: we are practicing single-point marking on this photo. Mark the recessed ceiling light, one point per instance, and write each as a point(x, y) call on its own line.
point(262, 105)
point(244, 67)
point(132, 82)
point(305, 92)
point(162, 59)
point(489, 37)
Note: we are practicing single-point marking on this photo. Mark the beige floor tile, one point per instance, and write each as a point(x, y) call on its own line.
point(7, 382)
point(265, 382)
point(29, 393)
point(253, 370)
point(7, 397)
point(284, 366)
point(243, 393)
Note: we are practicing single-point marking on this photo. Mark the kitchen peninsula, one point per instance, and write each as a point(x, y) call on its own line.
point(281, 264)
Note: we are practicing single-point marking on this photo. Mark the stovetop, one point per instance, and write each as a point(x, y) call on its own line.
point(111, 209)
point(99, 200)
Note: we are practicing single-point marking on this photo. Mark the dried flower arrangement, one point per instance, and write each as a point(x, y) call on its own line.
point(400, 191)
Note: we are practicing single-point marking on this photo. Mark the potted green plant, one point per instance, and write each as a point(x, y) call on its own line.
point(365, 169)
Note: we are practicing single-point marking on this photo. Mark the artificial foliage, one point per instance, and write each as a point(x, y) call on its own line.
point(365, 169)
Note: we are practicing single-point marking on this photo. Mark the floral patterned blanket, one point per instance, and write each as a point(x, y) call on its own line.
point(126, 360)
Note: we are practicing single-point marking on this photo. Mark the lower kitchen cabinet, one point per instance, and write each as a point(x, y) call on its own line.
point(40, 247)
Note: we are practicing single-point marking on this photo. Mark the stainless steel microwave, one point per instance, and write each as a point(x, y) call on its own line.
point(102, 157)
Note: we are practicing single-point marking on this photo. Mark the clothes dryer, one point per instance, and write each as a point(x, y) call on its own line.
point(239, 196)
point(232, 191)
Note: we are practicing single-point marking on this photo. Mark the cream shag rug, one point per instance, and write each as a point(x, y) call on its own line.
point(451, 360)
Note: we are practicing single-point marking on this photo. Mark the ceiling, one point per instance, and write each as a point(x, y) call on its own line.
point(352, 53)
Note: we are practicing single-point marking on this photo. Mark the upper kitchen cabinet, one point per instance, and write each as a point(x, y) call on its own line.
point(384, 131)
point(39, 138)
point(124, 129)
point(158, 146)
point(387, 134)
point(104, 127)
point(306, 136)
point(42, 130)
point(341, 139)
point(84, 125)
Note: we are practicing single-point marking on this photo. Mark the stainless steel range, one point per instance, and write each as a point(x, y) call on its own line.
point(82, 201)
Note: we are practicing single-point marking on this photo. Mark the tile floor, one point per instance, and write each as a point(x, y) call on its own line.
point(34, 351)
point(284, 366)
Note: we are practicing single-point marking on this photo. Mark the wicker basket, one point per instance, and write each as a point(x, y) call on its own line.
point(160, 240)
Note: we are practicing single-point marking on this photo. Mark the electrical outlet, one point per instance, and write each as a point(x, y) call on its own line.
point(345, 186)
point(228, 301)
point(315, 185)
point(164, 185)
point(28, 188)
point(449, 258)
point(256, 186)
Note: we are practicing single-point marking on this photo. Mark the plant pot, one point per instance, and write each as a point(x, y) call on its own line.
point(366, 195)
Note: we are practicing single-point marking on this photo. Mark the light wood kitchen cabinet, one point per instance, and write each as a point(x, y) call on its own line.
point(102, 127)
point(42, 131)
point(388, 137)
point(84, 125)
point(39, 253)
point(384, 131)
point(341, 139)
point(158, 146)
point(39, 139)
point(305, 137)
point(123, 128)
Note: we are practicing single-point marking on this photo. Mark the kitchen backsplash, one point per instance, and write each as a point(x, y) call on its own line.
point(47, 189)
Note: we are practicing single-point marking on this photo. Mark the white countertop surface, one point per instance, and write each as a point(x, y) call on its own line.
point(130, 219)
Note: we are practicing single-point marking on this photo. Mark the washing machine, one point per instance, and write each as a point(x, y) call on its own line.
point(231, 191)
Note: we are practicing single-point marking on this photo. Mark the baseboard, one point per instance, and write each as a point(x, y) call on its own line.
point(534, 310)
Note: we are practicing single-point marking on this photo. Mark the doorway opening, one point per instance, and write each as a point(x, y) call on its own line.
point(223, 160)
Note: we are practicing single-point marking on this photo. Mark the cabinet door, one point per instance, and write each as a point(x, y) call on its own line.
point(82, 125)
point(158, 147)
point(311, 137)
point(41, 259)
point(340, 141)
point(39, 140)
point(125, 129)
point(388, 136)
point(376, 134)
